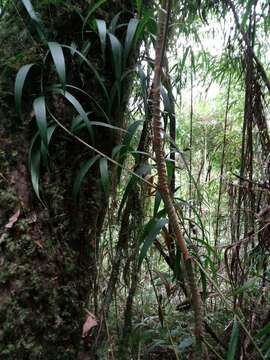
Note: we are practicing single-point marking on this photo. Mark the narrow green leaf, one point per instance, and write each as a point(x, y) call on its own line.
point(78, 124)
point(50, 132)
point(126, 73)
point(182, 64)
point(19, 84)
point(93, 99)
point(151, 237)
point(128, 189)
point(103, 124)
point(130, 36)
point(77, 105)
point(104, 176)
point(231, 354)
point(114, 23)
point(40, 113)
point(139, 7)
point(85, 50)
point(137, 155)
point(114, 91)
point(142, 171)
point(34, 158)
point(147, 228)
point(264, 331)
point(81, 175)
point(117, 149)
point(59, 60)
point(102, 31)
point(34, 164)
point(166, 100)
point(131, 130)
point(43, 150)
point(157, 202)
point(35, 18)
point(117, 50)
point(266, 347)
point(169, 166)
point(91, 11)
point(210, 249)
point(73, 47)
point(97, 76)
point(31, 12)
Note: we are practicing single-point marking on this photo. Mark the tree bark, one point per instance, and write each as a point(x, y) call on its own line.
point(49, 256)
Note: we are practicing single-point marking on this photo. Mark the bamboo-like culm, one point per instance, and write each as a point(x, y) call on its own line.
point(162, 172)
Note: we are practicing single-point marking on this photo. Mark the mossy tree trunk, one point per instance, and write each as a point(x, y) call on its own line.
point(49, 255)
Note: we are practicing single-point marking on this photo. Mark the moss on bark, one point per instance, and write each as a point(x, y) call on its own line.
point(45, 256)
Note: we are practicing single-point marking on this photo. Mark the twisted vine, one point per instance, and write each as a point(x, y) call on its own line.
point(162, 172)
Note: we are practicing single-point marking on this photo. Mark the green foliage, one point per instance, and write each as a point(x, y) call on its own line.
point(91, 12)
point(81, 175)
point(35, 18)
point(59, 60)
point(19, 84)
point(37, 151)
point(104, 176)
point(231, 354)
point(102, 31)
point(62, 68)
point(142, 171)
point(40, 114)
point(263, 336)
point(130, 38)
point(119, 54)
point(151, 232)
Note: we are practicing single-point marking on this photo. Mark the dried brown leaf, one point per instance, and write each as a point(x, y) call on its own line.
point(89, 323)
point(13, 219)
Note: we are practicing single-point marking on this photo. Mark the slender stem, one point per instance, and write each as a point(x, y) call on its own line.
point(217, 287)
point(222, 159)
point(162, 172)
point(100, 152)
point(190, 145)
point(249, 46)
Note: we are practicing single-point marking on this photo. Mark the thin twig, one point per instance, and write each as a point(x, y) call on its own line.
point(226, 302)
point(101, 153)
point(250, 49)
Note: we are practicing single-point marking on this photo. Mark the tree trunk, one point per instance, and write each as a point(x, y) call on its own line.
point(49, 255)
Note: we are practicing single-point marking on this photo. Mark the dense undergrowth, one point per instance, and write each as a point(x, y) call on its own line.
point(89, 266)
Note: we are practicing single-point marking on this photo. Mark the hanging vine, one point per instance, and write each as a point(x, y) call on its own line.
point(162, 173)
